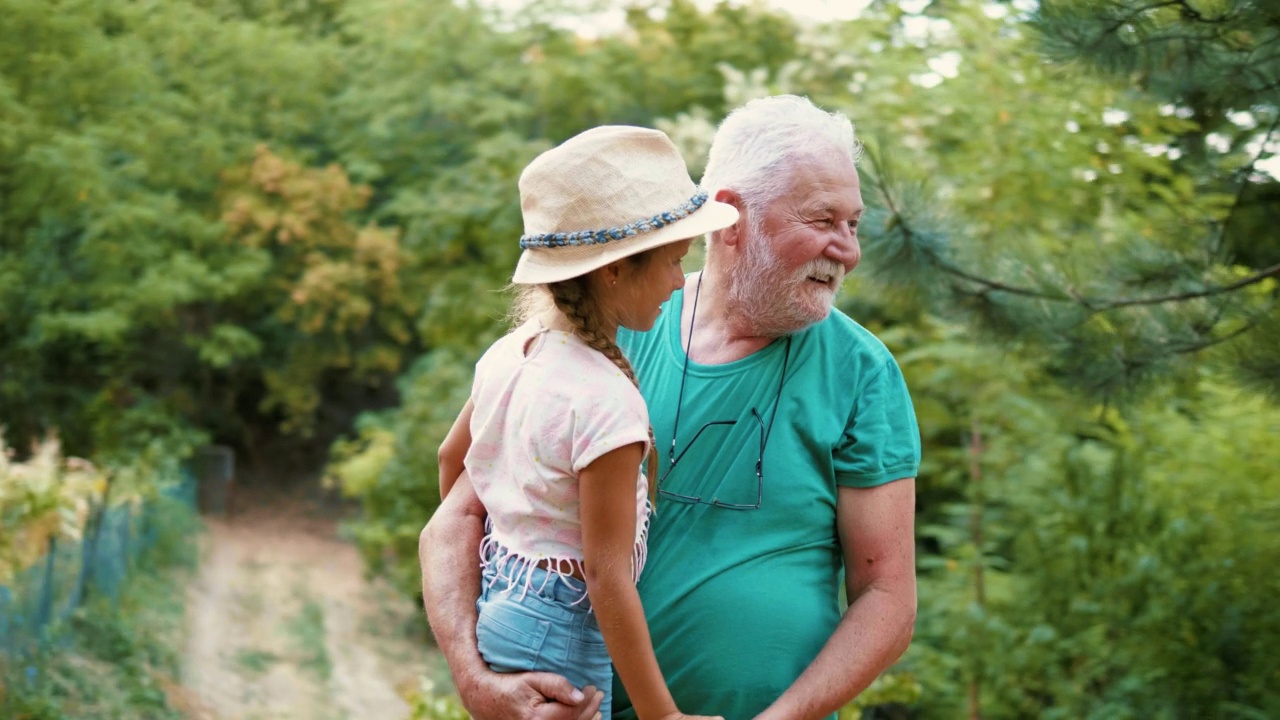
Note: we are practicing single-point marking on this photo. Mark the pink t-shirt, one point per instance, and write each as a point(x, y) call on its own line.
point(541, 417)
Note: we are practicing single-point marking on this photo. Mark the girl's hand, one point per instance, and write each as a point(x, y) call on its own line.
point(681, 716)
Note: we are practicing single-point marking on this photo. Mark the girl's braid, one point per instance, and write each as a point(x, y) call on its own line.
point(573, 298)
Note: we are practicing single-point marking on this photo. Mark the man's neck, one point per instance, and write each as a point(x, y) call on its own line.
point(721, 333)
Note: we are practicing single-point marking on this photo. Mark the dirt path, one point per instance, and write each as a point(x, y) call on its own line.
point(282, 626)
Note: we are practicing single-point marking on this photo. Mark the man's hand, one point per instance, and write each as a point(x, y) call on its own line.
point(450, 585)
point(532, 696)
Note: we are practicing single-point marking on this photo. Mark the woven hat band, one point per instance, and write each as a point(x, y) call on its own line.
point(619, 232)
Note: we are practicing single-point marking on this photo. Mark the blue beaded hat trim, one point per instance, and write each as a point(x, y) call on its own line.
point(596, 237)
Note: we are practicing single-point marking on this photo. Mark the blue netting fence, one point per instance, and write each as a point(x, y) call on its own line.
point(37, 601)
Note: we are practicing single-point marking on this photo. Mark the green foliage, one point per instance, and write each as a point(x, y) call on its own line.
point(307, 629)
point(1216, 52)
point(1089, 562)
point(256, 662)
point(223, 219)
point(1115, 220)
point(152, 271)
point(333, 289)
point(392, 466)
point(48, 496)
point(892, 689)
point(121, 664)
point(121, 658)
point(426, 703)
point(116, 120)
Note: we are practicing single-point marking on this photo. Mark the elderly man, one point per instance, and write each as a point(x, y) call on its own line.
point(789, 452)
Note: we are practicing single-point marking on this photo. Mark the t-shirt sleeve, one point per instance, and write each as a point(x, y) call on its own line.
point(881, 440)
point(607, 420)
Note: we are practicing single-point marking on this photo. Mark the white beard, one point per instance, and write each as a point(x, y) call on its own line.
point(776, 302)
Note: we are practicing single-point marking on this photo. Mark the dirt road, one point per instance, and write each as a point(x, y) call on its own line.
point(283, 626)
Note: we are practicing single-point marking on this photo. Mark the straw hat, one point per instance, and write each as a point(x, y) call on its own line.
point(606, 194)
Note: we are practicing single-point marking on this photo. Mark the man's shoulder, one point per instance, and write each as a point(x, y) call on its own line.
point(842, 336)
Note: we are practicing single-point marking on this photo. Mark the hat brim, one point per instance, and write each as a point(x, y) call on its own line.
point(538, 266)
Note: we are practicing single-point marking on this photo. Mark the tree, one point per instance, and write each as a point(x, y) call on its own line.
point(1158, 281)
point(326, 295)
point(117, 121)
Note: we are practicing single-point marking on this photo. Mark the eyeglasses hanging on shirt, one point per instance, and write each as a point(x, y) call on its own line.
point(764, 433)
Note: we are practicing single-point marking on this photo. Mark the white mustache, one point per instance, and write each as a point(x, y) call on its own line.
point(823, 267)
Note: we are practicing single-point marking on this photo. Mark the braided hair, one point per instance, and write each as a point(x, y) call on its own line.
point(576, 300)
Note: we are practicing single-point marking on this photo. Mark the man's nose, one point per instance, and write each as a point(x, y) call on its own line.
point(846, 251)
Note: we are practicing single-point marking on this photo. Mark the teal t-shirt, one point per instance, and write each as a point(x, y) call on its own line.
point(739, 602)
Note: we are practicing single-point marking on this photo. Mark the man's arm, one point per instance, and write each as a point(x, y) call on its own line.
point(448, 552)
point(877, 537)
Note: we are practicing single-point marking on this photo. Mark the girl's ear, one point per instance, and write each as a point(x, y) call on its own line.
point(734, 234)
point(610, 273)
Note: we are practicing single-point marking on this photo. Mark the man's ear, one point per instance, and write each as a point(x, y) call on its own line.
point(734, 234)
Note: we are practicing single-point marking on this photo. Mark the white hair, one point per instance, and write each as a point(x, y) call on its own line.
point(758, 145)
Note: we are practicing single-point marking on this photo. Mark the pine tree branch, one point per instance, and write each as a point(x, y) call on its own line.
point(1189, 14)
point(918, 240)
point(1273, 40)
point(1268, 86)
point(1101, 305)
point(898, 221)
point(1193, 27)
point(1195, 347)
point(1123, 20)
point(997, 286)
point(1092, 304)
point(1137, 13)
point(1273, 271)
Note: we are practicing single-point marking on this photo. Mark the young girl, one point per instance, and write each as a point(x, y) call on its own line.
point(555, 432)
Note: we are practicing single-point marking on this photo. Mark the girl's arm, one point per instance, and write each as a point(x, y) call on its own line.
point(607, 492)
point(453, 451)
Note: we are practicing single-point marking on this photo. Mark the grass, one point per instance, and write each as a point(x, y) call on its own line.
point(256, 662)
point(307, 629)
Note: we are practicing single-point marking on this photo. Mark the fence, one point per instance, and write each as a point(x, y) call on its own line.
point(38, 599)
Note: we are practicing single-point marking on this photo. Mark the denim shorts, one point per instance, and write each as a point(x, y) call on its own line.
point(544, 623)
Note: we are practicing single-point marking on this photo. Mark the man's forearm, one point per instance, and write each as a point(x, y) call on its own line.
point(447, 551)
point(450, 587)
point(871, 636)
